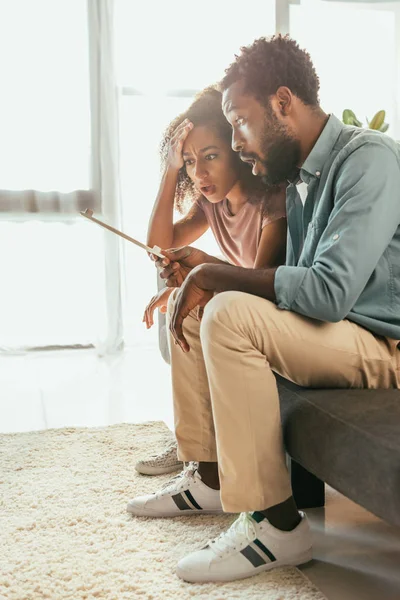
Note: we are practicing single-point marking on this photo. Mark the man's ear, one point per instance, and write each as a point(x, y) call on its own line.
point(284, 100)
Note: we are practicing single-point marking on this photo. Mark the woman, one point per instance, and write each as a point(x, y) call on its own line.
point(201, 170)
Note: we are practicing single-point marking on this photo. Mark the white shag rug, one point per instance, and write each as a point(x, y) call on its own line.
point(65, 533)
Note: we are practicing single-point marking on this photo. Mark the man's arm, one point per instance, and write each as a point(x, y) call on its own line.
point(179, 262)
point(224, 278)
point(205, 279)
point(364, 219)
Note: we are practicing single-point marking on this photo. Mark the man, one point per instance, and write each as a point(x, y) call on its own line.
point(329, 318)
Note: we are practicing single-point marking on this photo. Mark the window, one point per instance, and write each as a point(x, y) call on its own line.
point(45, 116)
point(52, 270)
point(178, 45)
point(353, 47)
point(166, 52)
point(52, 281)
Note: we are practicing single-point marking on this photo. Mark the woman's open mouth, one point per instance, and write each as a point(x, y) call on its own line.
point(208, 190)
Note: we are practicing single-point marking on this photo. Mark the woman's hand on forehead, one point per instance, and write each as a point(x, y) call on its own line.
point(175, 158)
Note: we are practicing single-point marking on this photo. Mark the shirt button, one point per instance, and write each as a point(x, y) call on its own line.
point(335, 237)
point(318, 173)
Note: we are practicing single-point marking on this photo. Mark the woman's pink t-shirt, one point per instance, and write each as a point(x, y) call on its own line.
point(238, 236)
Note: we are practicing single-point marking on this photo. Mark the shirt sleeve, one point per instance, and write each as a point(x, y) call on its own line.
point(365, 217)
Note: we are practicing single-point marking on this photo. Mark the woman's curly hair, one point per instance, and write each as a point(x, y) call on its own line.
point(205, 110)
point(267, 64)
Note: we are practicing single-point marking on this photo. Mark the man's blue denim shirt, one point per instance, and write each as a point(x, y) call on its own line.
point(348, 266)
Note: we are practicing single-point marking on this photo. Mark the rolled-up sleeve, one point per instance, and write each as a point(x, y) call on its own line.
point(363, 221)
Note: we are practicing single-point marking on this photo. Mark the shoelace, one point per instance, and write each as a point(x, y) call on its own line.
point(242, 530)
point(180, 481)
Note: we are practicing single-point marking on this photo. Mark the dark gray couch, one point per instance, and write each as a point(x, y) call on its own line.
point(349, 439)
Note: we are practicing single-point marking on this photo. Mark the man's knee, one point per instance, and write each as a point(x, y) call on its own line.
point(236, 311)
point(223, 310)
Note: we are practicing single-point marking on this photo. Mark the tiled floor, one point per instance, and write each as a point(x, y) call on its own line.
point(357, 556)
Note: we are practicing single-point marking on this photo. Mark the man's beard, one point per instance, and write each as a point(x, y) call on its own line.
point(282, 152)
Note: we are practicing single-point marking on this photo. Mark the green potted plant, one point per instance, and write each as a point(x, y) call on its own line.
point(377, 122)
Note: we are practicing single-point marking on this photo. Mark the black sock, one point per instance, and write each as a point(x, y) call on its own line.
point(283, 516)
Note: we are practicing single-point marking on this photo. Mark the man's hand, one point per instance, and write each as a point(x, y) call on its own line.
point(179, 262)
point(207, 279)
point(190, 295)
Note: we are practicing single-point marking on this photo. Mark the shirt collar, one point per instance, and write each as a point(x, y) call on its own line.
point(314, 163)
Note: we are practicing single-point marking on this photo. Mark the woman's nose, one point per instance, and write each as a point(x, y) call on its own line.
point(200, 170)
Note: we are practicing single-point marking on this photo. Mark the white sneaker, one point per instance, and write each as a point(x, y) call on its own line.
point(160, 464)
point(251, 545)
point(185, 495)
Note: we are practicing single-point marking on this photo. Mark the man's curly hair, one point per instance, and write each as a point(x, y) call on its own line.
point(269, 63)
point(206, 110)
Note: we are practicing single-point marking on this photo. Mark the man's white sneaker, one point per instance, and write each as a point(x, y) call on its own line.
point(185, 495)
point(160, 464)
point(251, 545)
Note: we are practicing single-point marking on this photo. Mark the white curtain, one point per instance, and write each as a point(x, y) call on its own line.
point(105, 160)
point(59, 149)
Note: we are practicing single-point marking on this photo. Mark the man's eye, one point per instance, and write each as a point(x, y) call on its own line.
point(211, 156)
point(239, 120)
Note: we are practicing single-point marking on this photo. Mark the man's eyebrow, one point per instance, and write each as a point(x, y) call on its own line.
point(202, 150)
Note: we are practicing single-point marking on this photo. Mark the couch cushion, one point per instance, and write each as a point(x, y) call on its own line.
point(348, 438)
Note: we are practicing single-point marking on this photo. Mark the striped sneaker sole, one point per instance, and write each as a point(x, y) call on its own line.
point(146, 512)
point(295, 561)
point(185, 503)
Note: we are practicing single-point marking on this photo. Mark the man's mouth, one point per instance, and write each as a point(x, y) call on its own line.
point(248, 159)
point(208, 190)
point(252, 162)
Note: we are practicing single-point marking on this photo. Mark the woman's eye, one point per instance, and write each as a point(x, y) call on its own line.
point(188, 162)
point(239, 121)
point(211, 156)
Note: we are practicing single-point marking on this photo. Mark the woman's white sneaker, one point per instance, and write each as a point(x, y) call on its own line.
point(185, 495)
point(251, 545)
